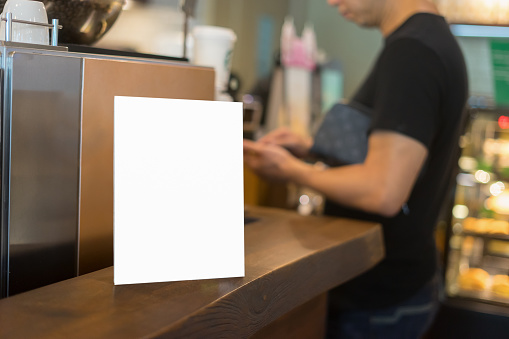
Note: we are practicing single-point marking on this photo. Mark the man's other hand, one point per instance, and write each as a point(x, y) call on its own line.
point(284, 137)
point(270, 161)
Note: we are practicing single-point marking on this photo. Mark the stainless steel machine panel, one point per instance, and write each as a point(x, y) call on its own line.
point(45, 158)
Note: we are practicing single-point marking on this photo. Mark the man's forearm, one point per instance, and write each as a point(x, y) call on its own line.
point(354, 186)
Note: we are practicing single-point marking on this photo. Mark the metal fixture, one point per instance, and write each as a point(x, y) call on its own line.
point(8, 27)
point(188, 7)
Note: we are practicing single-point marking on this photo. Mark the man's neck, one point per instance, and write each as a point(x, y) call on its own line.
point(396, 12)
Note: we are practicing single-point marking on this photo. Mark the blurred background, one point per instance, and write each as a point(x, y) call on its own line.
point(156, 27)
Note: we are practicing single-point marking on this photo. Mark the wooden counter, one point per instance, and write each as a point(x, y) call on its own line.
point(290, 261)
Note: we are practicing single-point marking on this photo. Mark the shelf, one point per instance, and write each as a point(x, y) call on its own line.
point(485, 296)
point(497, 255)
point(491, 236)
point(469, 30)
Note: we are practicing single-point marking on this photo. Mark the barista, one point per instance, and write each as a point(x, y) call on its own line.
point(417, 91)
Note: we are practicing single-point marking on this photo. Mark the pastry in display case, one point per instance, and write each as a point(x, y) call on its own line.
point(476, 233)
point(477, 260)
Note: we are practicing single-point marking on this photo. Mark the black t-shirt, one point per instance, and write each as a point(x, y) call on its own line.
point(418, 87)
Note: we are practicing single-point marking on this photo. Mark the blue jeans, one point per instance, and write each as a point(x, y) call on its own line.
point(407, 320)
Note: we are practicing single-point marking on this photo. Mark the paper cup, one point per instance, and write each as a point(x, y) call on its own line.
point(213, 47)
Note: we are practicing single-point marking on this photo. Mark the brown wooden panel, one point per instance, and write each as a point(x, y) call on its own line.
point(290, 259)
point(103, 80)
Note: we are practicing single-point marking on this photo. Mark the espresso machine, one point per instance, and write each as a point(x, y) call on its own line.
point(57, 153)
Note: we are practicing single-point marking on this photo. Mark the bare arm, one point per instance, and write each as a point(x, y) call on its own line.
point(382, 184)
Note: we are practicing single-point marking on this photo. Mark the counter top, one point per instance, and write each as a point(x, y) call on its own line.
point(290, 259)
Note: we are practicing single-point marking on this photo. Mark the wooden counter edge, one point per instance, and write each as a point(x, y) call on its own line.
point(281, 290)
point(249, 306)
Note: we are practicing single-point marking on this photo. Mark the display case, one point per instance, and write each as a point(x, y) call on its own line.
point(477, 259)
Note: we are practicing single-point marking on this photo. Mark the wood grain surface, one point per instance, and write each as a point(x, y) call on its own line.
point(290, 259)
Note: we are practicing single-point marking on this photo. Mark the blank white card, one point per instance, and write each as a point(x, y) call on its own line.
point(178, 190)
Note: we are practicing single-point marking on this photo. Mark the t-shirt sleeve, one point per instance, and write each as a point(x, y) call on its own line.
point(409, 83)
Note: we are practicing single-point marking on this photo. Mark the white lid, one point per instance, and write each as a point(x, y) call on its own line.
point(214, 32)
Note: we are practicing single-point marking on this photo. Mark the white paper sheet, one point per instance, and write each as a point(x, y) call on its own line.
point(178, 190)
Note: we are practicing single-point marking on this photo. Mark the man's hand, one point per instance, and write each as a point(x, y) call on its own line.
point(284, 137)
point(271, 161)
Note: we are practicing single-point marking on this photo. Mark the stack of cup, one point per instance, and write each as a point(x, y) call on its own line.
point(213, 47)
point(26, 10)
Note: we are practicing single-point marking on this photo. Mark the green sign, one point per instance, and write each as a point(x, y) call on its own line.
point(500, 61)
